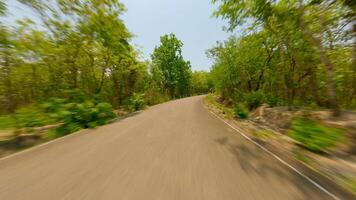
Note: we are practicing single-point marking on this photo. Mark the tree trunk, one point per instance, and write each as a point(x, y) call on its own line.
point(315, 87)
point(353, 96)
point(330, 69)
point(10, 105)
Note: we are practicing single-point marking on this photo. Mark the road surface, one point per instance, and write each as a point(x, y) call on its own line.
point(177, 150)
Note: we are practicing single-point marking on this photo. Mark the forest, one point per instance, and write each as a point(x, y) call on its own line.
point(293, 53)
point(74, 62)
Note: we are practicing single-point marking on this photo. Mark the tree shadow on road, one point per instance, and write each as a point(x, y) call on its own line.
point(257, 164)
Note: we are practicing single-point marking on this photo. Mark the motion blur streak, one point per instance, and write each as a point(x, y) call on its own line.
point(175, 150)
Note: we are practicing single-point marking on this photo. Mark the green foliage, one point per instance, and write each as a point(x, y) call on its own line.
point(273, 101)
point(7, 122)
point(254, 99)
point(301, 57)
point(84, 46)
point(300, 156)
point(2, 7)
point(228, 112)
point(87, 114)
point(31, 116)
point(78, 111)
point(85, 49)
point(26, 117)
point(170, 71)
point(201, 82)
point(315, 136)
point(240, 111)
point(137, 102)
point(64, 130)
point(153, 96)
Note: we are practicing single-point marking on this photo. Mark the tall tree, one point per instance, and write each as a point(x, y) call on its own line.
point(295, 24)
point(72, 45)
point(174, 71)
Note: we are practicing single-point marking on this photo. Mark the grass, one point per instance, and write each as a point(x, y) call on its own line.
point(315, 136)
point(6, 122)
point(351, 183)
point(301, 157)
point(228, 112)
point(263, 134)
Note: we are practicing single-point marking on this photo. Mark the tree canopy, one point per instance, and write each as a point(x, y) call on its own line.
point(298, 51)
point(84, 46)
point(172, 72)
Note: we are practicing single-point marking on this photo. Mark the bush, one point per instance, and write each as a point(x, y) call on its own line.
point(137, 102)
point(7, 122)
point(240, 111)
point(78, 112)
point(65, 130)
point(153, 97)
point(88, 114)
point(33, 116)
point(273, 101)
point(75, 111)
point(254, 99)
point(315, 136)
point(105, 113)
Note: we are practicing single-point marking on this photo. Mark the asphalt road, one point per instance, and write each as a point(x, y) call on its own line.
point(177, 150)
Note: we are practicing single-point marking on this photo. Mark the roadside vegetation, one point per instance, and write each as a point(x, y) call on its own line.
point(292, 53)
point(315, 136)
point(296, 54)
point(291, 68)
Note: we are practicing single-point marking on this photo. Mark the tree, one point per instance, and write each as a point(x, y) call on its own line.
point(75, 45)
point(305, 35)
point(201, 82)
point(172, 72)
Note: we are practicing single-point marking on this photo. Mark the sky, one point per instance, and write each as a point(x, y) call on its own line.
point(190, 20)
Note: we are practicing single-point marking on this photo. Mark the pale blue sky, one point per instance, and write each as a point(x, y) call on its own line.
point(190, 20)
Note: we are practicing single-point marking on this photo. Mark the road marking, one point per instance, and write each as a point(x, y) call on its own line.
point(278, 158)
point(41, 145)
point(118, 119)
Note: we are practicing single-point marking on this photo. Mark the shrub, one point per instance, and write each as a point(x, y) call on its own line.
point(7, 122)
point(79, 112)
point(33, 116)
point(254, 99)
point(137, 102)
point(315, 136)
point(153, 97)
point(240, 111)
point(105, 112)
point(273, 101)
point(65, 129)
point(87, 114)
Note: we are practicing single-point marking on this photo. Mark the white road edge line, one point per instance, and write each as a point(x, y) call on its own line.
point(278, 158)
point(54, 141)
point(33, 148)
